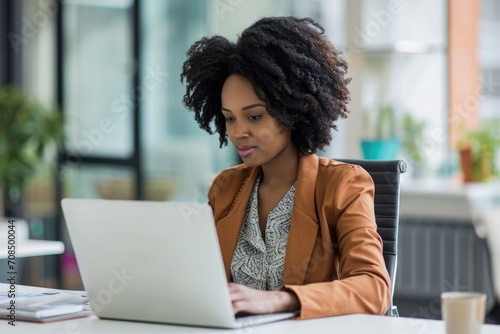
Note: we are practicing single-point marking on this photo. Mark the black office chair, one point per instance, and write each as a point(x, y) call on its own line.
point(385, 175)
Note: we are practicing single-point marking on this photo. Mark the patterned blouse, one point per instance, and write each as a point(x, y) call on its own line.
point(258, 263)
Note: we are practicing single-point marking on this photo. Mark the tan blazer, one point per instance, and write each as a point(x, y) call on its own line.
point(334, 261)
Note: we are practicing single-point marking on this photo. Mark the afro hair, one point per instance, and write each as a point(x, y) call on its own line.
point(293, 67)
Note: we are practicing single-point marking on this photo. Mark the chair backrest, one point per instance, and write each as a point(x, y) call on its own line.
point(386, 177)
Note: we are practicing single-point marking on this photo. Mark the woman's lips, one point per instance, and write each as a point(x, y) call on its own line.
point(245, 151)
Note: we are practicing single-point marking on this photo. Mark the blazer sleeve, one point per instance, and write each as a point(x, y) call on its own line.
point(363, 284)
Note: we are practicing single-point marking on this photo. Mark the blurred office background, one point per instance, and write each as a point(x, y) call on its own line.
point(113, 67)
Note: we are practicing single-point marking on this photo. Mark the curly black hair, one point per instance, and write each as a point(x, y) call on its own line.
point(293, 67)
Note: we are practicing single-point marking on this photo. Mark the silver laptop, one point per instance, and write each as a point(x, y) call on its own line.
point(154, 262)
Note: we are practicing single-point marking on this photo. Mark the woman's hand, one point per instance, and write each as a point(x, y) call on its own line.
point(249, 300)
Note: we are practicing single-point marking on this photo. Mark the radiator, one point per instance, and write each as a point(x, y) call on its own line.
point(439, 255)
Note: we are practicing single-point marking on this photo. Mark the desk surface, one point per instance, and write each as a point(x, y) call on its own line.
point(355, 323)
point(30, 247)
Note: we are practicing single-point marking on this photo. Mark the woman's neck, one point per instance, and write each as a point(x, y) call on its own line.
point(283, 169)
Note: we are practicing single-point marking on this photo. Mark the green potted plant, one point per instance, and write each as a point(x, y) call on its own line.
point(411, 140)
point(478, 151)
point(27, 129)
point(383, 143)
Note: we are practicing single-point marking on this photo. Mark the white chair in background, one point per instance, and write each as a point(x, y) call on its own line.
point(487, 226)
point(484, 205)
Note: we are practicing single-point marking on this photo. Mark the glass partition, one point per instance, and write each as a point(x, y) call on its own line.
point(98, 77)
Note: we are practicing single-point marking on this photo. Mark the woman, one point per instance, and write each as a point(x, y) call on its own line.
point(297, 232)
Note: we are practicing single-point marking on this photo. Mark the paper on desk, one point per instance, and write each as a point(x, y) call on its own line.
point(42, 305)
point(4, 296)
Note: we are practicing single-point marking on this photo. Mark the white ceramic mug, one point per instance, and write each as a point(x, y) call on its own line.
point(463, 312)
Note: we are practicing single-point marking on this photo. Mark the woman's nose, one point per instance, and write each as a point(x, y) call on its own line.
point(240, 130)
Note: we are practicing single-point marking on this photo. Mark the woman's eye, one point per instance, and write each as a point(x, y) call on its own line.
point(229, 119)
point(255, 117)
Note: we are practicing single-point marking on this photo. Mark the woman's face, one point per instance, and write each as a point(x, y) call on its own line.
point(257, 136)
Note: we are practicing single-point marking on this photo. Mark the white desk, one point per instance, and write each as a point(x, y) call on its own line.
point(31, 247)
point(24, 246)
point(444, 198)
point(351, 324)
point(341, 324)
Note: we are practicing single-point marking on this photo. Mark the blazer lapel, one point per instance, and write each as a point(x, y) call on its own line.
point(304, 225)
point(228, 228)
